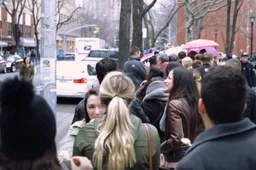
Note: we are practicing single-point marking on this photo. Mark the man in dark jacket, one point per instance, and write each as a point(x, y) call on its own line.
point(250, 110)
point(134, 69)
point(228, 142)
point(103, 67)
point(181, 55)
point(247, 69)
point(208, 61)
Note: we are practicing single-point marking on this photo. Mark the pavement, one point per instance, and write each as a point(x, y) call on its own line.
point(63, 123)
point(65, 109)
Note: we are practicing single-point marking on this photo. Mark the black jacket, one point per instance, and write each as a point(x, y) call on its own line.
point(204, 68)
point(79, 112)
point(248, 73)
point(154, 103)
point(134, 69)
point(223, 147)
point(138, 111)
point(250, 111)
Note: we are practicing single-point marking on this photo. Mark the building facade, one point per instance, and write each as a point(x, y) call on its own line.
point(26, 27)
point(215, 28)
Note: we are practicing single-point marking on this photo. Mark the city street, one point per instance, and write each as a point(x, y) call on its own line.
point(65, 109)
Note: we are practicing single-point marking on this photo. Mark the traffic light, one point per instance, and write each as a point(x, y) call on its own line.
point(96, 30)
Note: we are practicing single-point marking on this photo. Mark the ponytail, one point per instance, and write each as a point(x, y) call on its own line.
point(115, 137)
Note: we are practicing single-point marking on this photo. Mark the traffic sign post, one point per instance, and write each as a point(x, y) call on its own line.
point(48, 52)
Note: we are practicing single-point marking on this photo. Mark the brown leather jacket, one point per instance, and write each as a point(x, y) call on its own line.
point(180, 123)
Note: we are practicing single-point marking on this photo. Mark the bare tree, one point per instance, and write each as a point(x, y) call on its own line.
point(197, 10)
point(231, 28)
point(139, 11)
point(124, 32)
point(174, 9)
point(34, 7)
point(61, 4)
point(15, 9)
point(151, 30)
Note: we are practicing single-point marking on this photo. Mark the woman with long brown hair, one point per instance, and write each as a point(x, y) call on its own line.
point(27, 70)
point(182, 118)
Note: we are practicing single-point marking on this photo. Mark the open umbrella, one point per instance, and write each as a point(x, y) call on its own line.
point(200, 43)
point(210, 50)
point(174, 50)
point(147, 56)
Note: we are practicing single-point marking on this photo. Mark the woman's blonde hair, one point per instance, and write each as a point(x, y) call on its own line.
point(187, 62)
point(115, 140)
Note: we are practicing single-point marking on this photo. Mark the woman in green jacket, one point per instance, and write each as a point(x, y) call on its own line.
point(27, 70)
point(118, 140)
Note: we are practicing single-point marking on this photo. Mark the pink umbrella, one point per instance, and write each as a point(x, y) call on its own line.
point(200, 43)
point(147, 56)
point(211, 50)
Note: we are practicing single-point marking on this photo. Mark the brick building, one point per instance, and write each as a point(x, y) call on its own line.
point(26, 27)
point(216, 28)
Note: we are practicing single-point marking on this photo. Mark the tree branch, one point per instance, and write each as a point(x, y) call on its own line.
point(172, 14)
point(6, 8)
point(147, 8)
point(23, 5)
point(68, 20)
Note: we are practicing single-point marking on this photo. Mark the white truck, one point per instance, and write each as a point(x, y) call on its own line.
point(85, 45)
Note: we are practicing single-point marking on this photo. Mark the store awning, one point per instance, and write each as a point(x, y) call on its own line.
point(28, 42)
point(3, 44)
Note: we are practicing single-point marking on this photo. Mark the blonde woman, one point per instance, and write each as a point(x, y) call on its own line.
point(118, 140)
point(187, 63)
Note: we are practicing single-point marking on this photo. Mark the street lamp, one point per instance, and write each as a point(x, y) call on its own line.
point(252, 18)
point(216, 33)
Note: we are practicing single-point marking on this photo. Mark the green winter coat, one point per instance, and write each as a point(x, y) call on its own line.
point(85, 140)
point(27, 73)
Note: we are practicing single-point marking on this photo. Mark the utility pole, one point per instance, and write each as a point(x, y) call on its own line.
point(48, 52)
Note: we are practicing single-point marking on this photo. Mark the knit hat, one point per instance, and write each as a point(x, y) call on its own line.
point(27, 123)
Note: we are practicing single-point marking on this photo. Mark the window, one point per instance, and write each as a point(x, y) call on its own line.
point(113, 54)
point(21, 29)
point(28, 31)
point(1, 24)
point(9, 26)
point(98, 54)
point(27, 20)
point(68, 57)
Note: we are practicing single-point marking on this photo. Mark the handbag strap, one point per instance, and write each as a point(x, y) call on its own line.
point(149, 148)
point(158, 118)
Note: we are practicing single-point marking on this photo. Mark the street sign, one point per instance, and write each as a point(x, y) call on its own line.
point(61, 52)
point(144, 32)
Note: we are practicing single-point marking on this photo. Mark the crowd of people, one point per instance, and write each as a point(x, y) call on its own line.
point(180, 113)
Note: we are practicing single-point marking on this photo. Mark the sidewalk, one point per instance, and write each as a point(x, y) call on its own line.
point(63, 121)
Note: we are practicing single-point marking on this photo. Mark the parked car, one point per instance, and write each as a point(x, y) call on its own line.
point(71, 79)
point(13, 63)
point(104, 54)
point(97, 55)
point(3, 68)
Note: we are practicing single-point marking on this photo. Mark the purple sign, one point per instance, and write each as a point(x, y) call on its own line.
point(28, 42)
